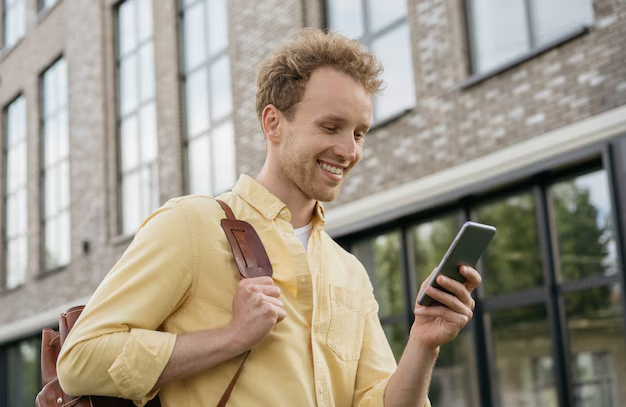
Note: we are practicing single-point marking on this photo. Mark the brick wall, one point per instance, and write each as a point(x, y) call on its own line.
point(448, 125)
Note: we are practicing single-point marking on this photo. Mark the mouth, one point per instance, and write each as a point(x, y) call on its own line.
point(332, 171)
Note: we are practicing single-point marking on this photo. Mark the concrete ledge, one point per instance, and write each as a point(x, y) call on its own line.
point(33, 324)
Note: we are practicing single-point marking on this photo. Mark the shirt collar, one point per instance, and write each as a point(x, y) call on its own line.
point(266, 203)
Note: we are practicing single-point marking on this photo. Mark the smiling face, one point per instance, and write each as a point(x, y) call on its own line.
point(325, 136)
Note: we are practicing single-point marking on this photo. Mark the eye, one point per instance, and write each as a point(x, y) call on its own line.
point(359, 136)
point(329, 129)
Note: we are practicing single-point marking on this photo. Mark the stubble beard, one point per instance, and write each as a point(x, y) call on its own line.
point(301, 170)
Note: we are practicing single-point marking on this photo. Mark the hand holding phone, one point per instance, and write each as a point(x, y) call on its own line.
point(467, 247)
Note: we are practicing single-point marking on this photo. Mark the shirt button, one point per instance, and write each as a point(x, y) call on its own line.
point(303, 281)
point(283, 213)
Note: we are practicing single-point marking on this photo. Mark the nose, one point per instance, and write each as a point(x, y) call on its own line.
point(346, 147)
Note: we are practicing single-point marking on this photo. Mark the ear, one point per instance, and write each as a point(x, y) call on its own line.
point(270, 120)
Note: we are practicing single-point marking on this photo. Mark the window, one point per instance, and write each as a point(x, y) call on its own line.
point(505, 30)
point(210, 137)
point(15, 194)
point(383, 27)
point(20, 362)
point(552, 291)
point(454, 377)
point(55, 162)
point(13, 22)
point(136, 114)
point(381, 257)
point(45, 4)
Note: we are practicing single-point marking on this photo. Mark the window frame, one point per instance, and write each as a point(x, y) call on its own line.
point(476, 76)
point(43, 168)
point(607, 156)
point(207, 64)
point(118, 57)
point(367, 38)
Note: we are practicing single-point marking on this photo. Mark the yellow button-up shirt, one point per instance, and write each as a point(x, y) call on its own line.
point(179, 276)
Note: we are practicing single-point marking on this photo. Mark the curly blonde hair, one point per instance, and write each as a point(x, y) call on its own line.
point(282, 78)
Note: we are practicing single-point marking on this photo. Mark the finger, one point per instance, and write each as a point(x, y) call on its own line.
point(450, 301)
point(263, 280)
point(443, 313)
point(274, 301)
point(425, 282)
point(456, 288)
point(280, 313)
point(472, 278)
point(250, 289)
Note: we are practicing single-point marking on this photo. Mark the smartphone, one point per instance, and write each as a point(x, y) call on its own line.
point(467, 247)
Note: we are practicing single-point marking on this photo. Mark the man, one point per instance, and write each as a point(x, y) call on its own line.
point(174, 317)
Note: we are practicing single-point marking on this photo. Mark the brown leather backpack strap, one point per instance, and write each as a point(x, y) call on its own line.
point(231, 386)
point(227, 210)
point(252, 261)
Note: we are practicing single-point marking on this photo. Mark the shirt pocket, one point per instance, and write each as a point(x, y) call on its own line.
point(347, 322)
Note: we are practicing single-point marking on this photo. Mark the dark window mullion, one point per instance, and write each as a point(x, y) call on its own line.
point(557, 320)
point(483, 344)
point(407, 270)
point(614, 159)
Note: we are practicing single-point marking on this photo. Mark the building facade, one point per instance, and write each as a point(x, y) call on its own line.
point(508, 113)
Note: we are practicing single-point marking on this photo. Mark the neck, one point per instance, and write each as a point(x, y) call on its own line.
point(300, 205)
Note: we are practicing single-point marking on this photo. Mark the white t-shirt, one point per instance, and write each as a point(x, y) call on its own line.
point(303, 234)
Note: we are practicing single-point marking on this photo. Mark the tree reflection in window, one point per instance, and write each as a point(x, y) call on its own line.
point(381, 257)
point(512, 262)
point(582, 215)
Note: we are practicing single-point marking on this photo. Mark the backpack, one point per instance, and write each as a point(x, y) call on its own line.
point(252, 261)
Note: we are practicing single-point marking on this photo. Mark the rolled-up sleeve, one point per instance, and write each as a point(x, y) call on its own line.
point(116, 348)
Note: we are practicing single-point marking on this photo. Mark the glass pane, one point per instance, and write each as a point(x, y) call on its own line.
point(11, 213)
point(128, 84)
point(224, 158)
point(64, 185)
point(52, 244)
point(52, 191)
point(499, 32)
point(131, 202)
point(523, 357)
point(397, 335)
point(52, 140)
point(197, 105)
point(146, 72)
point(221, 99)
point(148, 144)
point(16, 262)
point(381, 257)
point(127, 29)
point(145, 19)
point(50, 90)
point(20, 165)
point(61, 68)
point(23, 372)
point(346, 16)
point(64, 238)
point(382, 12)
point(596, 331)
point(21, 212)
point(64, 136)
point(515, 247)
point(218, 25)
point(149, 195)
point(582, 212)
point(394, 50)
point(454, 381)
point(129, 143)
point(432, 240)
point(554, 18)
point(15, 23)
point(199, 166)
point(194, 36)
